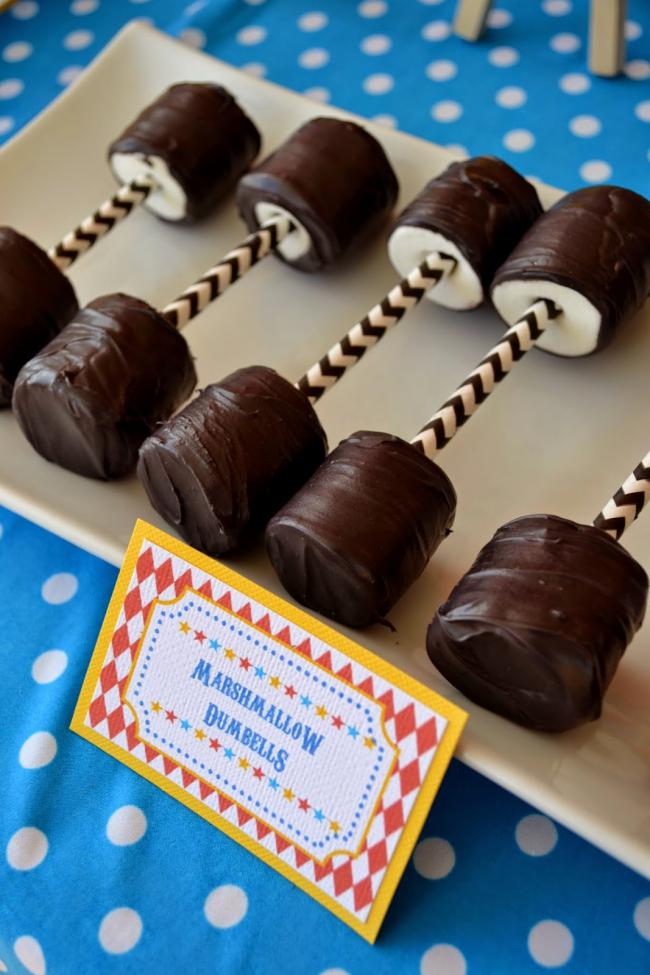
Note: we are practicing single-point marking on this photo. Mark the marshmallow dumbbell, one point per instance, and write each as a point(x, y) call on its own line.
point(219, 516)
point(88, 399)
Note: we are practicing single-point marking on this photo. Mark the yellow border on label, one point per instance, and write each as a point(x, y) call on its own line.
point(456, 718)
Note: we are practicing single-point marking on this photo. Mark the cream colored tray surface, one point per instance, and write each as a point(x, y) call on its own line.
point(558, 436)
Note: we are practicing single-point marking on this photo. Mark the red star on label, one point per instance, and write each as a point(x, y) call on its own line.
point(258, 773)
point(215, 743)
point(304, 805)
point(291, 691)
point(199, 635)
point(171, 716)
point(337, 722)
point(245, 663)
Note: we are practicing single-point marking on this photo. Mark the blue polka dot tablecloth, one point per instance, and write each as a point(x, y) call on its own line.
point(99, 871)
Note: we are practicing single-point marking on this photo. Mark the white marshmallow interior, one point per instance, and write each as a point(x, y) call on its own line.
point(573, 333)
point(409, 246)
point(296, 244)
point(167, 199)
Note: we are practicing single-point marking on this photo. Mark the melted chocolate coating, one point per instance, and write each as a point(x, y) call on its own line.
point(221, 467)
point(536, 628)
point(363, 529)
point(334, 177)
point(205, 138)
point(595, 241)
point(36, 301)
point(482, 205)
point(90, 397)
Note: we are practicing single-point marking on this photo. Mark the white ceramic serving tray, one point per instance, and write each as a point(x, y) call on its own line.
point(558, 436)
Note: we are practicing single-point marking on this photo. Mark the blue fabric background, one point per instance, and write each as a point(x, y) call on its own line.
point(477, 918)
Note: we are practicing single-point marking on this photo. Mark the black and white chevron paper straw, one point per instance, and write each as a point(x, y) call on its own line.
point(98, 224)
point(478, 385)
point(229, 269)
point(366, 333)
point(628, 502)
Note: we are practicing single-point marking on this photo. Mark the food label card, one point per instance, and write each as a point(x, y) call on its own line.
point(312, 752)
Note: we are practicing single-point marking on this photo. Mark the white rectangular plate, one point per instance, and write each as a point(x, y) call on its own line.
point(557, 437)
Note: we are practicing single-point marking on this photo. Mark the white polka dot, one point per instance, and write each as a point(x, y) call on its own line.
point(503, 57)
point(389, 121)
point(127, 825)
point(633, 30)
point(446, 111)
point(81, 7)
point(372, 8)
point(3, 967)
point(575, 83)
point(27, 848)
point(565, 43)
point(437, 30)
point(376, 44)
point(18, 51)
point(431, 3)
point(6, 124)
point(318, 94)
point(458, 149)
point(512, 96)
point(10, 88)
point(67, 75)
point(59, 588)
point(335, 971)
point(313, 21)
point(642, 918)
point(550, 943)
point(519, 140)
point(638, 70)
point(585, 126)
point(37, 750)
point(443, 960)
point(378, 84)
point(195, 8)
point(254, 68)
point(193, 37)
point(442, 70)
point(77, 40)
point(24, 10)
point(120, 930)
point(642, 111)
point(595, 171)
point(434, 858)
point(314, 57)
point(225, 906)
point(557, 8)
point(499, 18)
point(251, 35)
point(30, 954)
point(536, 835)
point(49, 666)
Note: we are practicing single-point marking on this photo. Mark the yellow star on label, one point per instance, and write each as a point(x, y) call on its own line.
point(199, 734)
point(275, 682)
point(156, 706)
point(243, 763)
point(184, 628)
point(335, 827)
point(321, 711)
point(369, 742)
point(288, 794)
point(230, 654)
